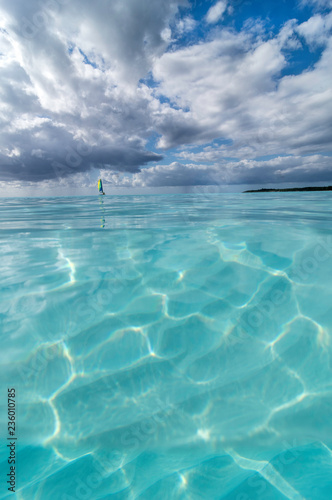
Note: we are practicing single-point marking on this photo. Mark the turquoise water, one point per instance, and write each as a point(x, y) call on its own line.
point(168, 347)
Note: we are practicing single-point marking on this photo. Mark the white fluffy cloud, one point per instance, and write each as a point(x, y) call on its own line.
point(317, 30)
point(85, 85)
point(231, 88)
point(216, 12)
point(277, 170)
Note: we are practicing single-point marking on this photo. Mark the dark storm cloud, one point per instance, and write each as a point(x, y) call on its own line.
point(76, 158)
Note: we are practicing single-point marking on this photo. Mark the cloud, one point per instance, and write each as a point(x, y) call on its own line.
point(232, 88)
point(296, 169)
point(70, 73)
point(86, 86)
point(319, 4)
point(215, 13)
point(317, 30)
point(66, 160)
point(186, 25)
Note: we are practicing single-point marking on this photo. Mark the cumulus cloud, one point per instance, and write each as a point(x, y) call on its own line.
point(232, 88)
point(317, 30)
point(277, 170)
point(84, 86)
point(70, 73)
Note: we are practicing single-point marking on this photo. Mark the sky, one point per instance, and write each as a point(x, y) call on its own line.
point(161, 96)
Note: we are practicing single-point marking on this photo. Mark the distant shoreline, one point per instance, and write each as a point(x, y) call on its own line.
point(324, 188)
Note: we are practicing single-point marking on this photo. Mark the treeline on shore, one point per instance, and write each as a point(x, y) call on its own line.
point(323, 188)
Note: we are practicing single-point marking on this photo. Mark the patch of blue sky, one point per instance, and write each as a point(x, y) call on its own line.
point(215, 144)
point(171, 157)
point(86, 60)
point(188, 38)
point(44, 116)
point(165, 100)
point(301, 60)
point(219, 142)
point(149, 81)
point(271, 157)
point(151, 144)
point(231, 159)
point(274, 12)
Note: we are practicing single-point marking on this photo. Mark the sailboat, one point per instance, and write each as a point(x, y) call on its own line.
point(100, 187)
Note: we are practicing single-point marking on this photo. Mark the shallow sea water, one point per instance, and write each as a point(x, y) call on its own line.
point(168, 347)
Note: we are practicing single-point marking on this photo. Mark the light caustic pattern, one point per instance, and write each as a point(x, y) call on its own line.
point(169, 347)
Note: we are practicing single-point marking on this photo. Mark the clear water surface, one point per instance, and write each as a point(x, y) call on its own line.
point(168, 347)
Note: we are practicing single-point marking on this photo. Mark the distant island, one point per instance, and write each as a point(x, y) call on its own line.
point(324, 188)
